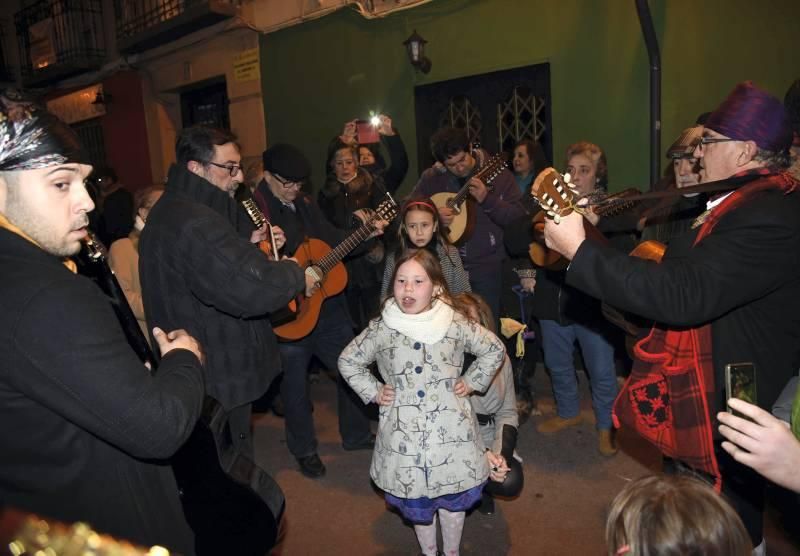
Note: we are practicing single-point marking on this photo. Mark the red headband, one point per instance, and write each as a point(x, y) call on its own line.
point(423, 203)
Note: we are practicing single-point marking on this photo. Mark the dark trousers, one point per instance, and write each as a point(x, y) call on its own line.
point(486, 282)
point(327, 341)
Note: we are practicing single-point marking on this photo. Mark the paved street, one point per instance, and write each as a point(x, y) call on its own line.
point(562, 509)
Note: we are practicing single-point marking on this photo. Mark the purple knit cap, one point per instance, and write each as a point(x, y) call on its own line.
point(751, 114)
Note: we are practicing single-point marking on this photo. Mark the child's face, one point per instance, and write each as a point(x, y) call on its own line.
point(420, 227)
point(413, 288)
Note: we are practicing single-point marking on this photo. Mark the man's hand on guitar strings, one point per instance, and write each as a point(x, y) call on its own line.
point(566, 236)
point(280, 237)
point(259, 234)
point(478, 190)
point(446, 215)
point(312, 281)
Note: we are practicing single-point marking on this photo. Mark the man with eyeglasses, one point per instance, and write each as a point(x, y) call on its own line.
point(727, 292)
point(295, 214)
point(199, 267)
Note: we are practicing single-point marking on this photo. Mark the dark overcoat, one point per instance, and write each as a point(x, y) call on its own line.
point(83, 426)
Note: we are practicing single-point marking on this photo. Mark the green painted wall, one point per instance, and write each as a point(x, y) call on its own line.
point(321, 73)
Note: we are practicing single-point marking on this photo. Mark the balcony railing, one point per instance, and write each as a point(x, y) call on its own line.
point(58, 38)
point(143, 24)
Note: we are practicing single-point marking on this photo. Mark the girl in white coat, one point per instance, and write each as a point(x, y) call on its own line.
point(429, 456)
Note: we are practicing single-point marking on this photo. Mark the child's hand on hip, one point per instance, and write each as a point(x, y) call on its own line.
point(385, 395)
point(462, 389)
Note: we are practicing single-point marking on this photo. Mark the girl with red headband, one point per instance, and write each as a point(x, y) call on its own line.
point(420, 229)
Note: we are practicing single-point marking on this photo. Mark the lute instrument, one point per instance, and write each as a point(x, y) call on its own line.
point(463, 205)
point(270, 248)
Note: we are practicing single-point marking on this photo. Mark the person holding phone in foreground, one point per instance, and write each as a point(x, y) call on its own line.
point(764, 443)
point(727, 291)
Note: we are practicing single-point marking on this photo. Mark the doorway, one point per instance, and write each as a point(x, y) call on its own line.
point(206, 104)
point(497, 109)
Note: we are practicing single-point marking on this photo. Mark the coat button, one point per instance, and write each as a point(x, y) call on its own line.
point(417, 345)
point(420, 393)
point(418, 369)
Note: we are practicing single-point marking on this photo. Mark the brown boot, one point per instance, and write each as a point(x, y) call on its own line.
point(605, 442)
point(555, 424)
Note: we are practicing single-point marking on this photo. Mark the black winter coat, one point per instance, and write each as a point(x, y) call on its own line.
point(82, 423)
point(743, 279)
point(338, 202)
point(200, 274)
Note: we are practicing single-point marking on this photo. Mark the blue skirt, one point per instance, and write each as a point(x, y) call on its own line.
point(420, 511)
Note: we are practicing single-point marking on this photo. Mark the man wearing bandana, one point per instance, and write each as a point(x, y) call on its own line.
point(727, 292)
point(83, 425)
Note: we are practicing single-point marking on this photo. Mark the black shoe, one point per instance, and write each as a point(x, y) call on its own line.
point(311, 466)
point(367, 444)
point(487, 504)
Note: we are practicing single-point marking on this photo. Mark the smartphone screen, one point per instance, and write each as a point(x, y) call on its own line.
point(740, 382)
point(366, 132)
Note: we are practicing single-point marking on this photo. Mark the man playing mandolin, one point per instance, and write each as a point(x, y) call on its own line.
point(492, 208)
point(727, 292)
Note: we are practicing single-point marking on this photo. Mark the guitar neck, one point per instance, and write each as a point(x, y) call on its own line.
point(352, 241)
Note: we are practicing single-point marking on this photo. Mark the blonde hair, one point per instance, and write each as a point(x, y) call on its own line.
point(663, 515)
point(470, 300)
point(596, 155)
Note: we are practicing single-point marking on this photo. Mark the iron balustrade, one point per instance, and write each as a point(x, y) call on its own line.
point(59, 37)
point(141, 22)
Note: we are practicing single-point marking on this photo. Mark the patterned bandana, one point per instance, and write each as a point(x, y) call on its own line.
point(37, 140)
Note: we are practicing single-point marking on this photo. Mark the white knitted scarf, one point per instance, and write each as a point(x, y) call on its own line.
point(428, 327)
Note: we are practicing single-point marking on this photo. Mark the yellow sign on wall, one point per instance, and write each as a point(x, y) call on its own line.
point(245, 65)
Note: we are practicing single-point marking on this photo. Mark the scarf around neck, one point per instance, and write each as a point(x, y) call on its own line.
point(428, 327)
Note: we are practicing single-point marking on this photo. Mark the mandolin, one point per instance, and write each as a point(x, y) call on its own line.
point(557, 197)
point(325, 265)
point(463, 205)
point(269, 248)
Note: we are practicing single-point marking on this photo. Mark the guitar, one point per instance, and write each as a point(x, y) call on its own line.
point(325, 265)
point(231, 505)
point(460, 229)
point(269, 248)
point(558, 197)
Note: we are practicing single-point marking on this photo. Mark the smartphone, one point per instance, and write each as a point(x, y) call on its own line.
point(366, 132)
point(740, 382)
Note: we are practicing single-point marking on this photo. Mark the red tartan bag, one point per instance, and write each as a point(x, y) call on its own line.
point(666, 398)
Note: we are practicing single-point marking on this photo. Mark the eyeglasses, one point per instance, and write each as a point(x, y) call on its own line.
point(709, 140)
point(287, 184)
point(233, 169)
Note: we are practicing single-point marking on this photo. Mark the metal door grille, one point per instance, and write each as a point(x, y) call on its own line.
point(461, 113)
point(522, 116)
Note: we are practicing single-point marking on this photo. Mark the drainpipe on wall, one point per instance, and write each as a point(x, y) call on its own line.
point(653, 53)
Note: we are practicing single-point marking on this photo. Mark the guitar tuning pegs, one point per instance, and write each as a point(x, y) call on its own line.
point(567, 177)
point(557, 219)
